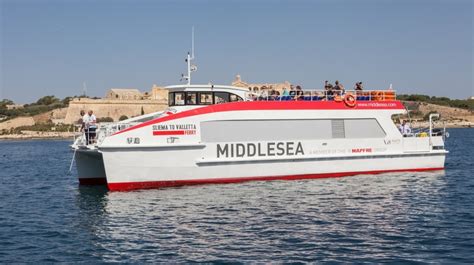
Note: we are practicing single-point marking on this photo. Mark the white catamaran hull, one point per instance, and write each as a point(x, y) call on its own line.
point(90, 167)
point(151, 168)
point(266, 141)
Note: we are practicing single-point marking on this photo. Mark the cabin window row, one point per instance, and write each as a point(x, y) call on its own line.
point(201, 98)
point(279, 130)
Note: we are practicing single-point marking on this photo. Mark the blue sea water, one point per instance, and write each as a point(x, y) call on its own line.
point(45, 216)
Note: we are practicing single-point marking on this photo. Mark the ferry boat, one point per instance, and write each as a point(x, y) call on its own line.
point(224, 134)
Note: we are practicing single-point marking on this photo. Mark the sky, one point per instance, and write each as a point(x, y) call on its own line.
point(51, 47)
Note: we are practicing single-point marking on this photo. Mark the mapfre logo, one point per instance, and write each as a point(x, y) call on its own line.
point(361, 150)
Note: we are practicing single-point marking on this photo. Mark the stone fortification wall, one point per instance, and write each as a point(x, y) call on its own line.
point(17, 122)
point(56, 116)
point(112, 108)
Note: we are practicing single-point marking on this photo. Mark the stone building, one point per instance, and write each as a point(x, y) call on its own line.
point(158, 93)
point(124, 94)
point(15, 106)
point(257, 88)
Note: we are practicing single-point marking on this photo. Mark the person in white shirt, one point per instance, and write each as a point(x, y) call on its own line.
point(405, 128)
point(92, 126)
point(89, 120)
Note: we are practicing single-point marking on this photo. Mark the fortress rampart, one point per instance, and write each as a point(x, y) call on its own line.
point(112, 108)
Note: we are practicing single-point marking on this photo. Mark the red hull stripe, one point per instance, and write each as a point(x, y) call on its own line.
point(92, 181)
point(126, 186)
point(168, 132)
point(273, 105)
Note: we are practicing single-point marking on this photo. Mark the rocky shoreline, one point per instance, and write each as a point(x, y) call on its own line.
point(31, 135)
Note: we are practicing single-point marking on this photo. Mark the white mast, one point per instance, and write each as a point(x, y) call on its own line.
point(84, 88)
point(191, 67)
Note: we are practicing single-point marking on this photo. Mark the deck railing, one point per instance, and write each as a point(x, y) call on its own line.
point(326, 95)
point(103, 130)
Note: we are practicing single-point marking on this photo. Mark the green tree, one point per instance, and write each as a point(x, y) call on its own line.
point(123, 117)
point(5, 102)
point(66, 100)
point(47, 100)
point(105, 119)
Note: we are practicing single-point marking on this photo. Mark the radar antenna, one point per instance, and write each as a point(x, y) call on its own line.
point(189, 59)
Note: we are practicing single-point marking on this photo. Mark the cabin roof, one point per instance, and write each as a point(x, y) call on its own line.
point(204, 87)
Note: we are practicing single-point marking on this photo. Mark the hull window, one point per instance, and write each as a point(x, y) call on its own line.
point(363, 128)
point(265, 130)
point(281, 130)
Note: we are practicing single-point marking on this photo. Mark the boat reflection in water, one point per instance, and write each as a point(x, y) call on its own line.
point(366, 215)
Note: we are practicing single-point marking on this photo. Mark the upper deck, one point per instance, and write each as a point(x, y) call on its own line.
point(201, 95)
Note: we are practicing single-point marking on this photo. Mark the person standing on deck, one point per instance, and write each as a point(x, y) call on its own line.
point(81, 120)
point(92, 127)
point(405, 129)
point(85, 125)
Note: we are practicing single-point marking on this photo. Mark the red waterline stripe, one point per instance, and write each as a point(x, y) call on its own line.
point(92, 181)
point(272, 105)
point(168, 132)
point(127, 186)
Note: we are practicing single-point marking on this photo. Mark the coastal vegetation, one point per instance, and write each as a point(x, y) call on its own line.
point(44, 104)
point(105, 119)
point(443, 101)
point(40, 127)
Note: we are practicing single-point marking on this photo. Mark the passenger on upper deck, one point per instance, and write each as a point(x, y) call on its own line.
point(339, 88)
point(274, 94)
point(292, 92)
point(327, 85)
point(299, 93)
point(405, 129)
point(285, 92)
point(329, 90)
point(264, 94)
point(358, 86)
